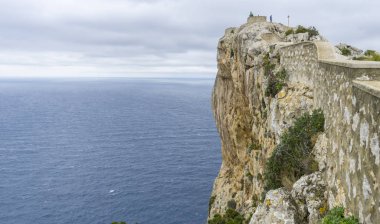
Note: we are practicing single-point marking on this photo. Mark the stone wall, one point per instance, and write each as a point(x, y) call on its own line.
point(256, 19)
point(352, 112)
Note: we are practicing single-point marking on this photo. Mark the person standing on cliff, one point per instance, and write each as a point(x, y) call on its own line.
point(270, 18)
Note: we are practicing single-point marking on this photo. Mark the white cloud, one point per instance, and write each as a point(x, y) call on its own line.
point(139, 37)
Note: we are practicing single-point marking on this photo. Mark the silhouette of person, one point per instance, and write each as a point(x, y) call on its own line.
point(270, 17)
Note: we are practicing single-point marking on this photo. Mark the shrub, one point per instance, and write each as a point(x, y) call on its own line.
point(292, 157)
point(254, 146)
point(336, 216)
point(301, 29)
point(276, 82)
point(268, 66)
point(345, 51)
point(210, 203)
point(369, 55)
point(312, 31)
point(230, 217)
point(369, 52)
point(231, 204)
point(289, 31)
point(373, 55)
point(376, 57)
point(249, 175)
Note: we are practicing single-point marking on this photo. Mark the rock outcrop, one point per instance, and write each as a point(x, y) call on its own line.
point(251, 120)
point(305, 203)
point(245, 116)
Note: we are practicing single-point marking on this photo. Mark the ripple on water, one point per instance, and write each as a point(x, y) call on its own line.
point(100, 151)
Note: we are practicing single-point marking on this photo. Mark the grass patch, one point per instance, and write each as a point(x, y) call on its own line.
point(336, 216)
point(230, 217)
point(292, 157)
point(276, 82)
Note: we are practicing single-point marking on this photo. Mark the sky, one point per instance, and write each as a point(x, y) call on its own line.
point(151, 38)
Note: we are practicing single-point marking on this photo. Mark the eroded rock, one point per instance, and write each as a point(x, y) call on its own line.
point(306, 203)
point(278, 207)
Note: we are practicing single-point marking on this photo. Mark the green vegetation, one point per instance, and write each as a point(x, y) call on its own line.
point(231, 204)
point(289, 31)
point(211, 202)
point(268, 66)
point(276, 82)
point(231, 217)
point(312, 31)
point(249, 175)
point(345, 51)
point(254, 146)
point(255, 200)
point(336, 216)
point(292, 157)
point(369, 55)
point(119, 223)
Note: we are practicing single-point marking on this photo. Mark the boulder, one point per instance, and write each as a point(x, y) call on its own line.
point(278, 207)
point(309, 195)
point(305, 204)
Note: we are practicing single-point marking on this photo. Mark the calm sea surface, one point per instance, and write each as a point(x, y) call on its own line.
point(102, 150)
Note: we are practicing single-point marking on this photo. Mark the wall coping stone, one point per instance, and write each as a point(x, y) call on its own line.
point(326, 54)
point(371, 87)
point(351, 64)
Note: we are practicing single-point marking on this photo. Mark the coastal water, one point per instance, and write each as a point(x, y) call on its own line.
point(101, 150)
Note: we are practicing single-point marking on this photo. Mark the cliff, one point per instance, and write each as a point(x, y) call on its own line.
point(266, 80)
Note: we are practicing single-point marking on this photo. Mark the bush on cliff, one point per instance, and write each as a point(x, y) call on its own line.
point(289, 31)
point(336, 216)
point(345, 51)
point(312, 31)
point(268, 66)
point(369, 55)
point(276, 82)
point(211, 202)
point(230, 217)
point(292, 157)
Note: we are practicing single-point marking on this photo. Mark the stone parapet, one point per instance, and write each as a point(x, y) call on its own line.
point(348, 92)
point(256, 19)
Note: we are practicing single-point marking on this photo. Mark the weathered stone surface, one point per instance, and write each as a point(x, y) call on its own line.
point(347, 153)
point(291, 102)
point(298, 37)
point(309, 194)
point(305, 204)
point(353, 50)
point(278, 207)
point(320, 151)
point(239, 110)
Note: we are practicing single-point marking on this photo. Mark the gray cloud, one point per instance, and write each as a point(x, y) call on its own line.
point(135, 37)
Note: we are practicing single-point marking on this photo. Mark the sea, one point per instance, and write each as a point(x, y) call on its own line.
point(101, 150)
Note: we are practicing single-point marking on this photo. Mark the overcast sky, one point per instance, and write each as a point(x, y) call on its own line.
point(155, 37)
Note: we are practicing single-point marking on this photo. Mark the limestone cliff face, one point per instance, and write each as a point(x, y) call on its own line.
point(250, 123)
point(245, 116)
